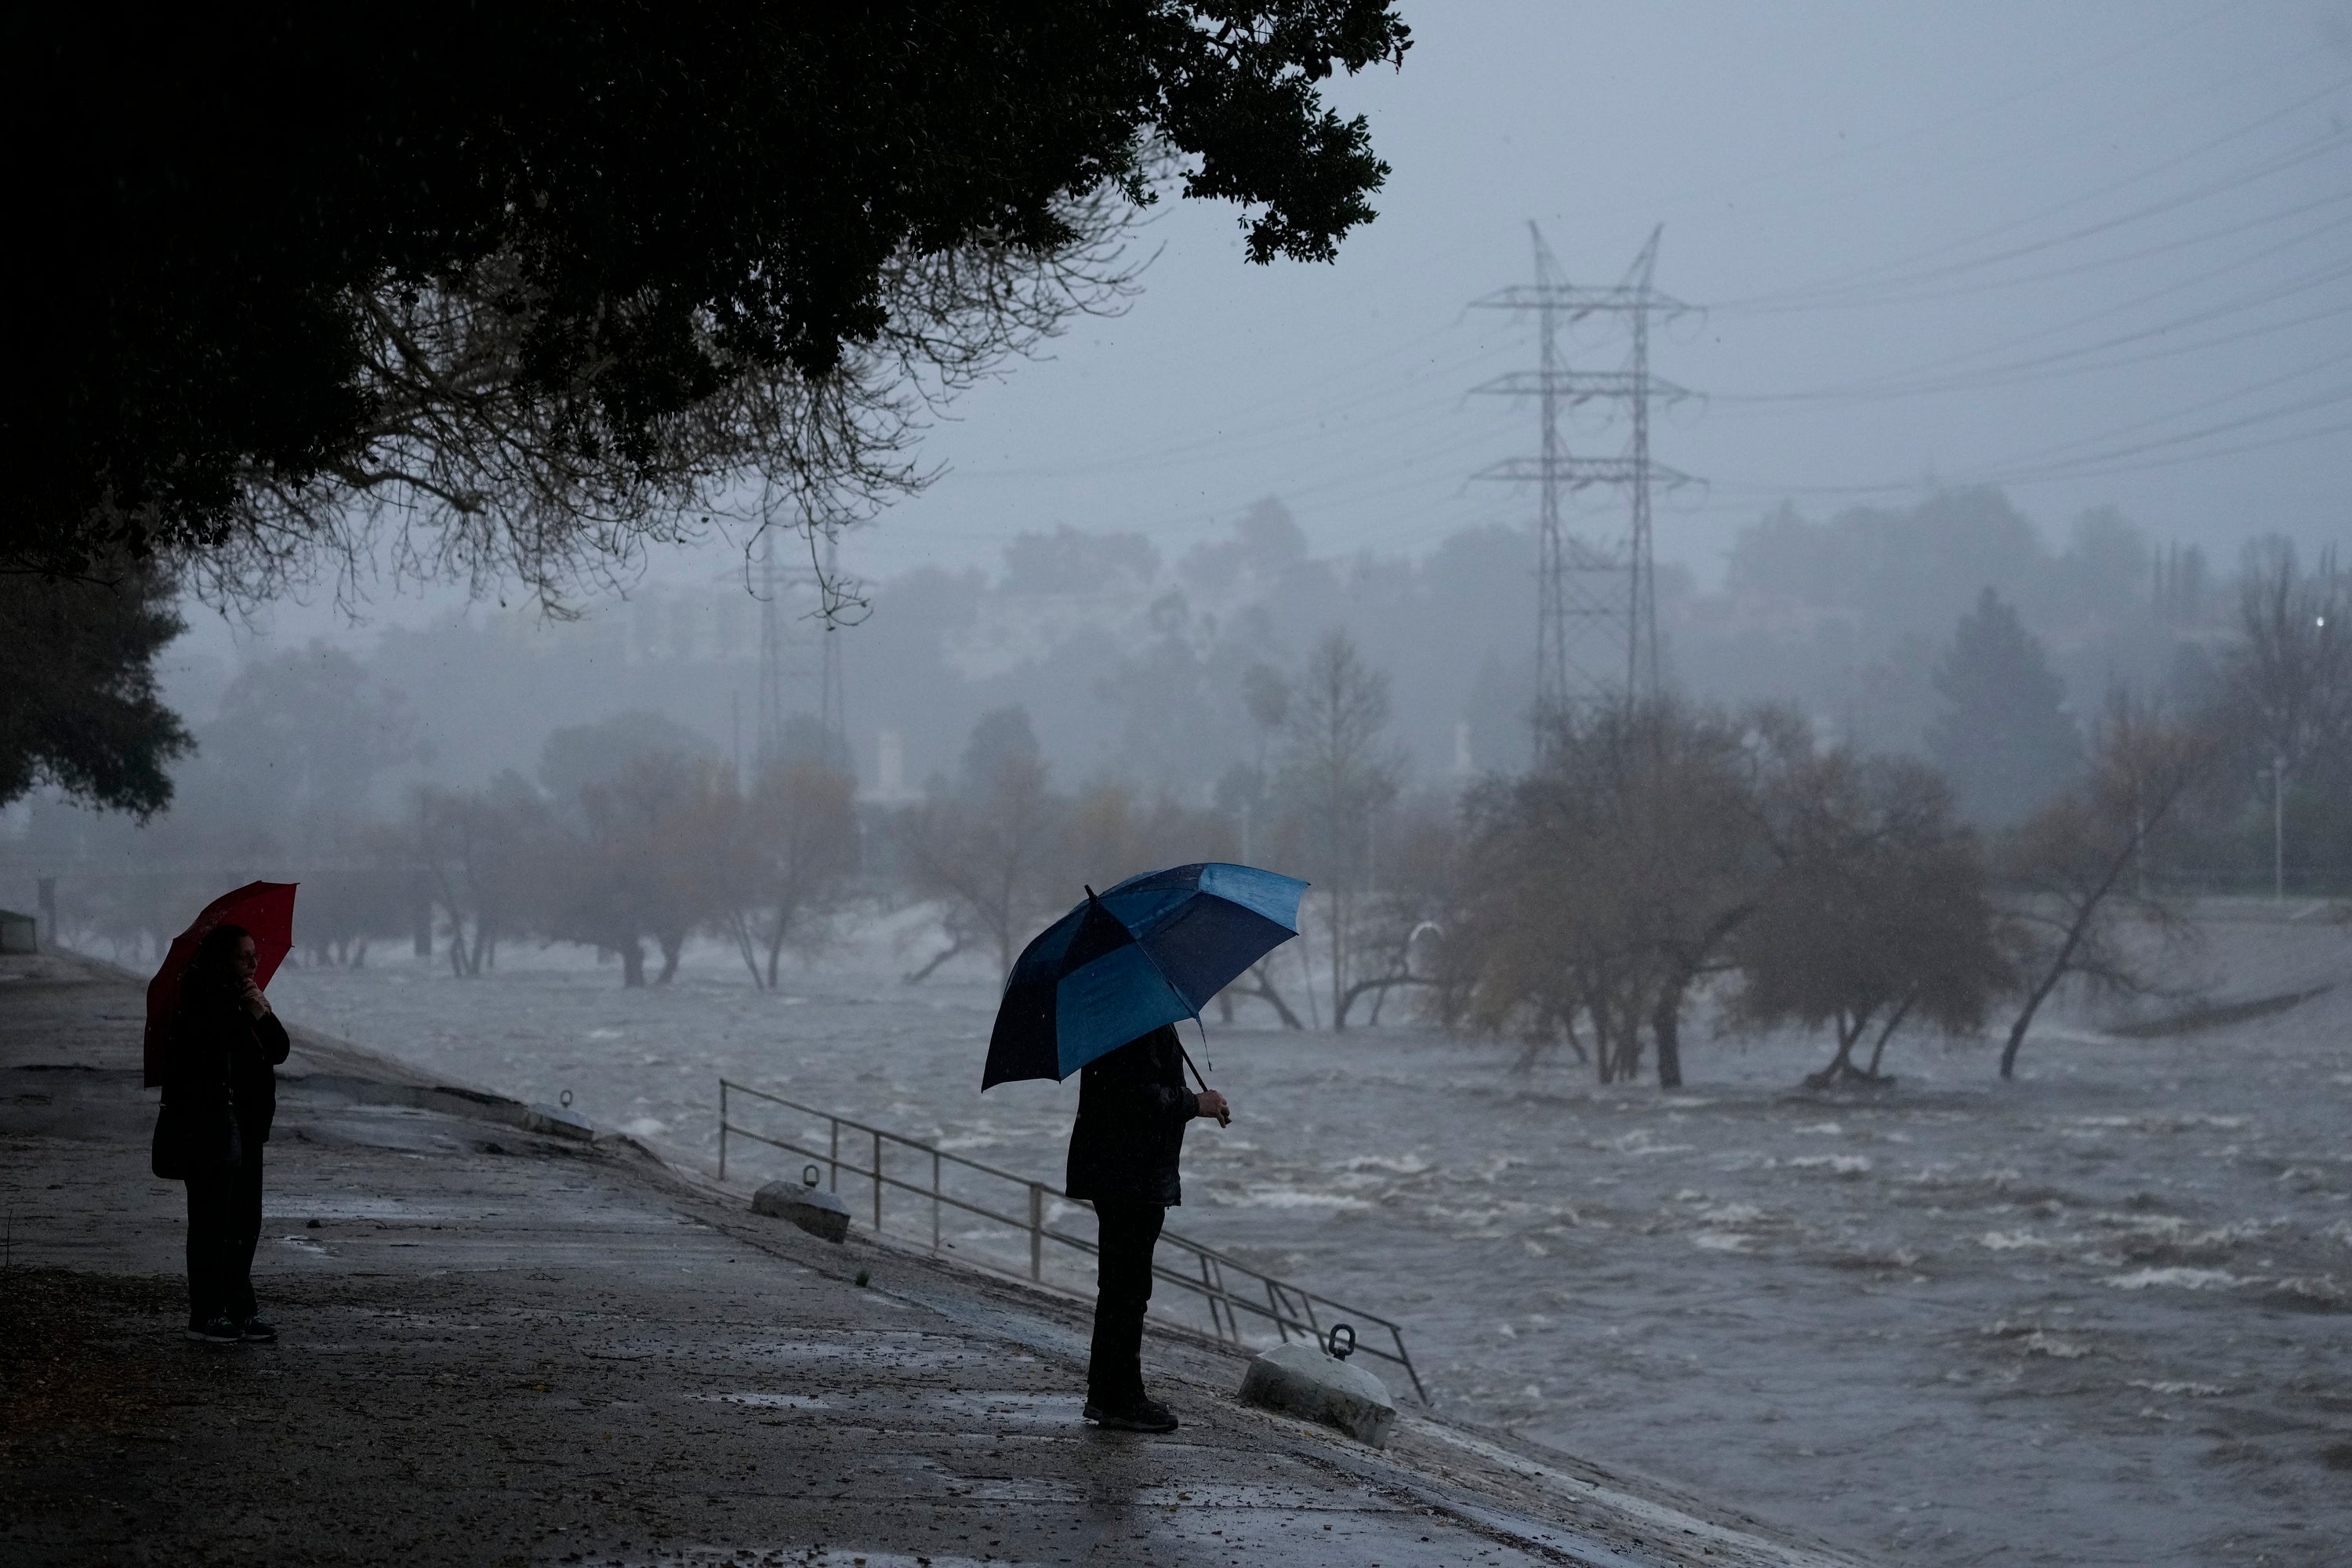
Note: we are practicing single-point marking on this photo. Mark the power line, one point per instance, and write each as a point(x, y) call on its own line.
point(2234, 228)
point(2179, 438)
point(1230, 414)
point(2016, 371)
point(1824, 294)
point(1848, 153)
point(2102, 463)
point(1258, 436)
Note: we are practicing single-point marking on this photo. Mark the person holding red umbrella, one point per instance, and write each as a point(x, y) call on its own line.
point(220, 1095)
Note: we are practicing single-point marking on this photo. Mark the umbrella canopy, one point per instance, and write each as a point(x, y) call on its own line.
point(265, 909)
point(1149, 951)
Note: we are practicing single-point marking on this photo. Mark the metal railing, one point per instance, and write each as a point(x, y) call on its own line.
point(1229, 1288)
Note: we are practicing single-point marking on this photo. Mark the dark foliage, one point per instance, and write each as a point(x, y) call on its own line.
point(526, 269)
point(79, 710)
point(2004, 740)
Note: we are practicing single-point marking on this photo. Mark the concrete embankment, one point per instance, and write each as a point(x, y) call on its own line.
point(501, 1346)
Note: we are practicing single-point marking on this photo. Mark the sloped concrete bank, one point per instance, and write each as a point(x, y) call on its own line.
point(506, 1347)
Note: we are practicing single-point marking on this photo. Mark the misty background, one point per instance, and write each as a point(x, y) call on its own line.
point(2051, 303)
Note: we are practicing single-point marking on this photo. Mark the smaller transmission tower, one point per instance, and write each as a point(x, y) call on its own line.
point(831, 705)
point(780, 669)
point(1596, 597)
point(771, 749)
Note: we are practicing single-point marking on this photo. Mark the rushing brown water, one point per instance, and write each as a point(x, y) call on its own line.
point(2102, 1314)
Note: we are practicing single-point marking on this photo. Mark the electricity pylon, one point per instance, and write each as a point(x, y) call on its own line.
point(1596, 597)
point(777, 669)
point(831, 701)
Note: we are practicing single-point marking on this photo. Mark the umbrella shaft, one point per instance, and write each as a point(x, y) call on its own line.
point(1223, 1120)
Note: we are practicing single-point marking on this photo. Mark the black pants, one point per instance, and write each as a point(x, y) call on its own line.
point(1128, 1231)
point(224, 1224)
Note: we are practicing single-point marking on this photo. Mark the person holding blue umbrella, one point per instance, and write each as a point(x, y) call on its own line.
point(1098, 994)
point(1133, 1110)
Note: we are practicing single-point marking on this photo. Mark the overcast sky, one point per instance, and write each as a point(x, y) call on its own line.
point(2097, 251)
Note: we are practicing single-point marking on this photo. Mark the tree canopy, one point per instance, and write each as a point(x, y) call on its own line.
point(2004, 740)
point(533, 285)
point(81, 710)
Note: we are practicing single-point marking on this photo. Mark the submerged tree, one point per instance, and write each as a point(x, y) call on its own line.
point(650, 860)
point(792, 849)
point(1874, 915)
point(2073, 905)
point(1337, 772)
point(985, 848)
point(644, 809)
point(1598, 891)
point(484, 856)
point(1398, 919)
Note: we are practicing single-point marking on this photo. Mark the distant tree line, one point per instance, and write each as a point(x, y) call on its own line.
point(1663, 854)
point(1669, 852)
point(1673, 861)
point(634, 840)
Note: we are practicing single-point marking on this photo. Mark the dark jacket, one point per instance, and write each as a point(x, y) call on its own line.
point(220, 1051)
point(1132, 1107)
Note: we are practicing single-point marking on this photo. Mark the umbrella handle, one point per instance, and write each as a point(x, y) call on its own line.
point(1226, 1119)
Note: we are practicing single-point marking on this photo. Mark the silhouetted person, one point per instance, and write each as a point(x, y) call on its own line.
point(226, 1046)
point(1132, 1108)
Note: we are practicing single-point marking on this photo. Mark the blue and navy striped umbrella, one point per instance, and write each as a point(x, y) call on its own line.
point(1150, 951)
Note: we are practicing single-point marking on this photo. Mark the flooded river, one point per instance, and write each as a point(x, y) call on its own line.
point(2102, 1314)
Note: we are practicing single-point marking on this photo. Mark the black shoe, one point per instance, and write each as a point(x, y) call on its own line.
point(217, 1332)
point(1143, 1416)
point(259, 1330)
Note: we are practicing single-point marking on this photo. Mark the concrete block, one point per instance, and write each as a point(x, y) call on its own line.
point(1304, 1380)
point(562, 1120)
point(813, 1209)
point(18, 933)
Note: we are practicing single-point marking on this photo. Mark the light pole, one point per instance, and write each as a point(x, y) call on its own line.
point(2278, 827)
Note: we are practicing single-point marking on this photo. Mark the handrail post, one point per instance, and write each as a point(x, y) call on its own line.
point(1036, 1230)
point(832, 1159)
point(723, 1130)
point(935, 1200)
point(1397, 1334)
point(1217, 1317)
point(878, 1183)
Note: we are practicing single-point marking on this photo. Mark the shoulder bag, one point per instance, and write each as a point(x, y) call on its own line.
point(196, 1141)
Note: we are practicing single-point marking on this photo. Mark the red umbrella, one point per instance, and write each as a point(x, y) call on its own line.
point(265, 909)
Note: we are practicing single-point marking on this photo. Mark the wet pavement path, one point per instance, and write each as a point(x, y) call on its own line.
point(504, 1348)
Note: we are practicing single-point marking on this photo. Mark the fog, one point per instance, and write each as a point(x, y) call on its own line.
point(2091, 256)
